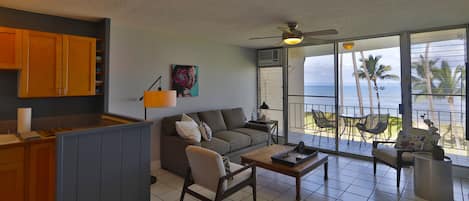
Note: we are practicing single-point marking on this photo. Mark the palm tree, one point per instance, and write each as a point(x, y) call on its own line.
point(424, 70)
point(357, 83)
point(448, 82)
point(422, 80)
point(376, 73)
point(368, 79)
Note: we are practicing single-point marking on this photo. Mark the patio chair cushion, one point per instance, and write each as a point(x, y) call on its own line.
point(235, 139)
point(218, 145)
point(257, 136)
point(389, 155)
point(243, 176)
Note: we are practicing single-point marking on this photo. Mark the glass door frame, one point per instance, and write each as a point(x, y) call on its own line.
point(286, 94)
point(406, 93)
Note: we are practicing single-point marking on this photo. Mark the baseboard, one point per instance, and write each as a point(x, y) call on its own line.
point(155, 165)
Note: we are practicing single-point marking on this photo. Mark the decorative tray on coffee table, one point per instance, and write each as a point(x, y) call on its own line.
point(295, 156)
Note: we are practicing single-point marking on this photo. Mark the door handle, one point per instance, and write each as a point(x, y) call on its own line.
point(401, 109)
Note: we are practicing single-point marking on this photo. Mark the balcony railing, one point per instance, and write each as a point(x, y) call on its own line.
point(451, 125)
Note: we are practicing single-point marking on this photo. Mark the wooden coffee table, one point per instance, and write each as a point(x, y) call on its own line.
point(261, 157)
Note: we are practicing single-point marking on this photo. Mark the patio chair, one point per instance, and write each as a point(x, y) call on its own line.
point(206, 169)
point(322, 123)
point(374, 124)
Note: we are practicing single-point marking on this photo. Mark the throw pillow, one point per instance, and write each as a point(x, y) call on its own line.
point(410, 141)
point(226, 163)
point(185, 117)
point(428, 141)
point(205, 131)
point(188, 130)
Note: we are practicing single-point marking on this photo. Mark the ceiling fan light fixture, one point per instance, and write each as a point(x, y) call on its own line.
point(348, 45)
point(293, 40)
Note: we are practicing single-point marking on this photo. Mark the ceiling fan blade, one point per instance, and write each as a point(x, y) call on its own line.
point(284, 29)
point(321, 32)
point(314, 41)
point(267, 37)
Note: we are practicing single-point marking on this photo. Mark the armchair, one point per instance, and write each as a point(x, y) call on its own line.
point(206, 169)
point(397, 158)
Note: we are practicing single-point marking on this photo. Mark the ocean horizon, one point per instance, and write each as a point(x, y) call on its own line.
point(390, 98)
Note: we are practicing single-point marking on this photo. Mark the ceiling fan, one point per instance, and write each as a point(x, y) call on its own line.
point(291, 35)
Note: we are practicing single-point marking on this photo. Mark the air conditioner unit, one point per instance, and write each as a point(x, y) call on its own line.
point(269, 57)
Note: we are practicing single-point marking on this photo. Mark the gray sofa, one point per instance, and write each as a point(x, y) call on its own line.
point(232, 136)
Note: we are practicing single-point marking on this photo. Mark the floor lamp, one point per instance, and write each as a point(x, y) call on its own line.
point(158, 99)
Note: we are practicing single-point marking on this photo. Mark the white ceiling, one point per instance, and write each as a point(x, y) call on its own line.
point(234, 21)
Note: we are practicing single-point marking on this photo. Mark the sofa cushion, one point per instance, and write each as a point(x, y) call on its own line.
point(235, 139)
point(214, 119)
point(389, 155)
point(189, 130)
point(217, 145)
point(234, 118)
point(257, 136)
point(168, 124)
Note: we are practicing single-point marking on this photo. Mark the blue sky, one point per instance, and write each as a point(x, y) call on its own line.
point(319, 70)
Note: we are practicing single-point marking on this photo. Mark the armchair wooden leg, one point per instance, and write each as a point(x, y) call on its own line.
point(374, 166)
point(254, 191)
point(398, 176)
point(254, 183)
point(182, 194)
point(187, 181)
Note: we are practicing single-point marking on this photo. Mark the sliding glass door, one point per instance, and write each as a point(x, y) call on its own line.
point(311, 96)
point(339, 95)
point(439, 87)
point(369, 92)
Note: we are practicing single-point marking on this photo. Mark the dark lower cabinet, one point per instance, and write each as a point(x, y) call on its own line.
point(27, 171)
point(41, 170)
point(12, 173)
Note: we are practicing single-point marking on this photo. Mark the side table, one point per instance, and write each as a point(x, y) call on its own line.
point(273, 128)
point(433, 180)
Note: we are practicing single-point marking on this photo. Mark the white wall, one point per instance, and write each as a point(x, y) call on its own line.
point(227, 74)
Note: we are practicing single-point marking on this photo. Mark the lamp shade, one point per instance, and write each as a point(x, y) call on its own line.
point(159, 98)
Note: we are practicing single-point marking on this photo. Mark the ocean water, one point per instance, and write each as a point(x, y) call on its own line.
point(390, 98)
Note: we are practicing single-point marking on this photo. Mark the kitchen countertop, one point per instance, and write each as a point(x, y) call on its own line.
point(49, 127)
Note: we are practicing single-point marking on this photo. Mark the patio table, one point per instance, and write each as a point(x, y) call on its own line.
point(349, 124)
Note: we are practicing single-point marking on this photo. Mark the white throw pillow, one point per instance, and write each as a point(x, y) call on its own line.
point(186, 117)
point(188, 130)
point(206, 131)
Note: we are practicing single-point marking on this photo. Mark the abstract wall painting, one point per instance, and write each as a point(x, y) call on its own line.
point(185, 80)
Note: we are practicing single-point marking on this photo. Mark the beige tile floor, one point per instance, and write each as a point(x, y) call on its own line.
point(349, 180)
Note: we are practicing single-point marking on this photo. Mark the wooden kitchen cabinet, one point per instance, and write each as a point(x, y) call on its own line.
point(40, 167)
point(55, 65)
point(79, 66)
point(41, 74)
point(10, 48)
point(12, 173)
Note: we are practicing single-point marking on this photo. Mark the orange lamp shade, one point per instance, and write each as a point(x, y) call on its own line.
point(159, 98)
